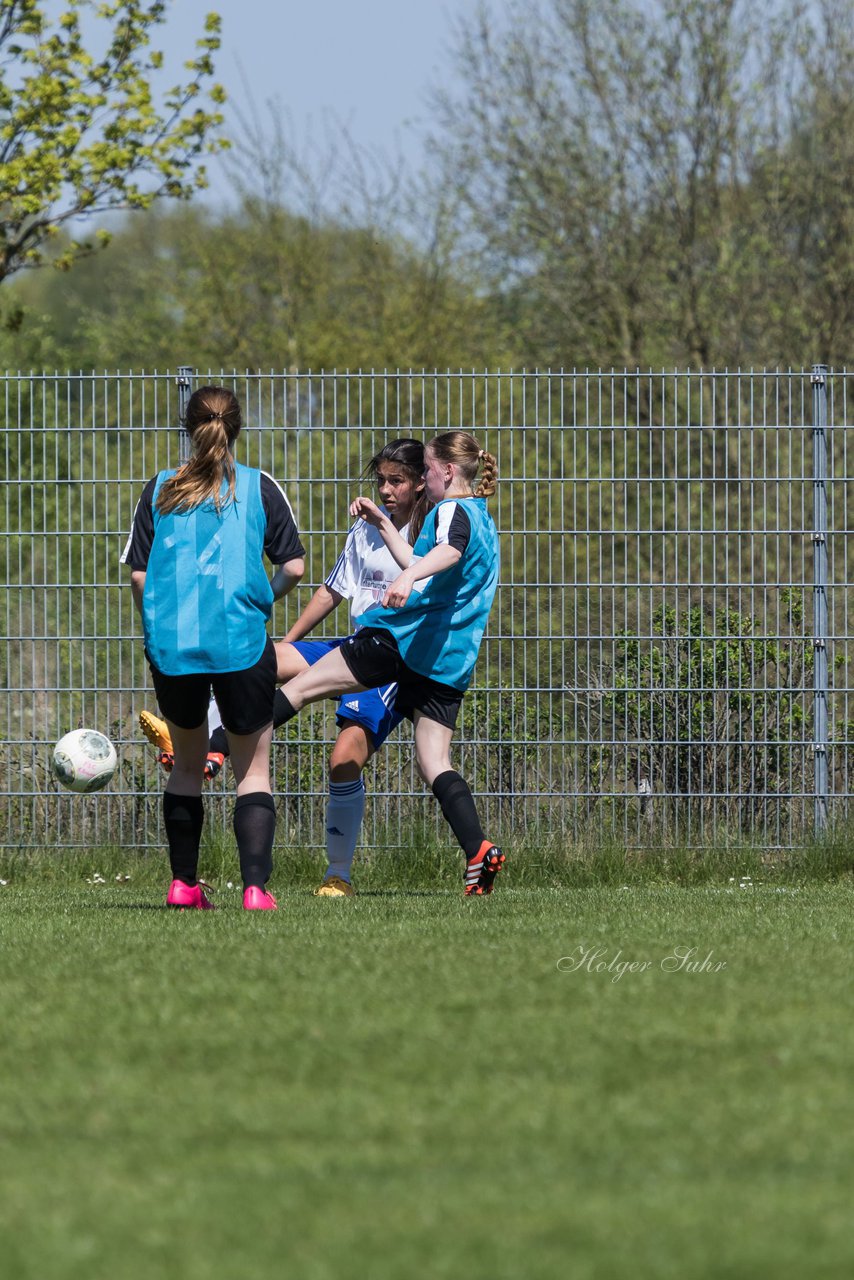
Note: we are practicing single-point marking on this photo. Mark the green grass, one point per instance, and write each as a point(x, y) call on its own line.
point(407, 1084)
point(537, 861)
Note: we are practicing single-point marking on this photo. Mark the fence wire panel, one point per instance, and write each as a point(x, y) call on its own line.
point(669, 652)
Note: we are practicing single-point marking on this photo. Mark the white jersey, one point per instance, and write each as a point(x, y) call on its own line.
point(365, 569)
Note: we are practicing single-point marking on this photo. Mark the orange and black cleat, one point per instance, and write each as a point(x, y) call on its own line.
point(482, 869)
point(213, 764)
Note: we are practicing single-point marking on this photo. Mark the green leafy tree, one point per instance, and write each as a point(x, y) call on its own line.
point(251, 287)
point(647, 182)
point(81, 133)
point(806, 262)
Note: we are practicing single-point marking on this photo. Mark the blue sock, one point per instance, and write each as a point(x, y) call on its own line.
point(343, 820)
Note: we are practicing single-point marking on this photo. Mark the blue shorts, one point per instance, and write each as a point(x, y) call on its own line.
point(373, 709)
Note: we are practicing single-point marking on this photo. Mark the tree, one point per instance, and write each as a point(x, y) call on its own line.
point(644, 180)
point(249, 287)
point(304, 265)
point(804, 184)
point(342, 258)
point(81, 133)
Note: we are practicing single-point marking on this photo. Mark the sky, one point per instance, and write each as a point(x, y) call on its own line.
point(369, 63)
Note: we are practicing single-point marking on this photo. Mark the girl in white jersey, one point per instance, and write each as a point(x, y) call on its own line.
point(361, 575)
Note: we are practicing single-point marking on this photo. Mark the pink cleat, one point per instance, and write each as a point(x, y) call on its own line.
point(256, 899)
point(188, 897)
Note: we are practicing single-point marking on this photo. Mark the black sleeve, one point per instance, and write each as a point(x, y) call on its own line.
point(281, 542)
point(459, 530)
point(138, 546)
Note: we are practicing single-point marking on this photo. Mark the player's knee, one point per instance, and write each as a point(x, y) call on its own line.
point(289, 661)
point(430, 766)
point(345, 766)
point(348, 758)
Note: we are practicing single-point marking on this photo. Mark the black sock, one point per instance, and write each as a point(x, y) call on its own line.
point(183, 817)
point(254, 827)
point(219, 741)
point(453, 793)
point(282, 710)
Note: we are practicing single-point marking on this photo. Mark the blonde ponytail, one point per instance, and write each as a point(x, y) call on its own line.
point(213, 423)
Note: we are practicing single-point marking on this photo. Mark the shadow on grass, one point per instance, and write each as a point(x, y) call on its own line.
point(125, 906)
point(399, 893)
point(402, 894)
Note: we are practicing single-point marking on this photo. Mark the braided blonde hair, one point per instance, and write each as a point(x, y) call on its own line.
point(465, 452)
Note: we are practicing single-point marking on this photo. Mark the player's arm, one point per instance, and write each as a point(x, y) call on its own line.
point(138, 546)
point(282, 544)
point(137, 586)
point(340, 585)
point(287, 576)
point(438, 560)
point(452, 532)
point(368, 511)
point(321, 604)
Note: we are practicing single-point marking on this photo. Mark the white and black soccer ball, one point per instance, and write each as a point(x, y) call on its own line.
point(84, 760)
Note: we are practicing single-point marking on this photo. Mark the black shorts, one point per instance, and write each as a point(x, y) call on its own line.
point(244, 698)
point(373, 657)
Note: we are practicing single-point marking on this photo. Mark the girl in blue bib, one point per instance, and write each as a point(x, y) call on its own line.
point(196, 551)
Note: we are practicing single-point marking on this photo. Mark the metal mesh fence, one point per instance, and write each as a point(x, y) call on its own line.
point(667, 658)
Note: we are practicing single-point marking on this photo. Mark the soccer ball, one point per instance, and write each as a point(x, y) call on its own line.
point(84, 760)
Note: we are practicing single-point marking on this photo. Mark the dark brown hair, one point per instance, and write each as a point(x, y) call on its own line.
point(408, 454)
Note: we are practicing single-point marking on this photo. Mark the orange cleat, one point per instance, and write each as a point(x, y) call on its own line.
point(482, 869)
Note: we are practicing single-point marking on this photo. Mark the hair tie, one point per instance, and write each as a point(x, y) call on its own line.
point(480, 454)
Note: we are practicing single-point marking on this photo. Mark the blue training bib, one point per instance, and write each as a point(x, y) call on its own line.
point(207, 596)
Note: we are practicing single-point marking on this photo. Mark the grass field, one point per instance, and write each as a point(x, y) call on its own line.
point(411, 1084)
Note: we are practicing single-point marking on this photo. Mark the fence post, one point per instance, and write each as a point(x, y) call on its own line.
point(820, 621)
point(185, 389)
